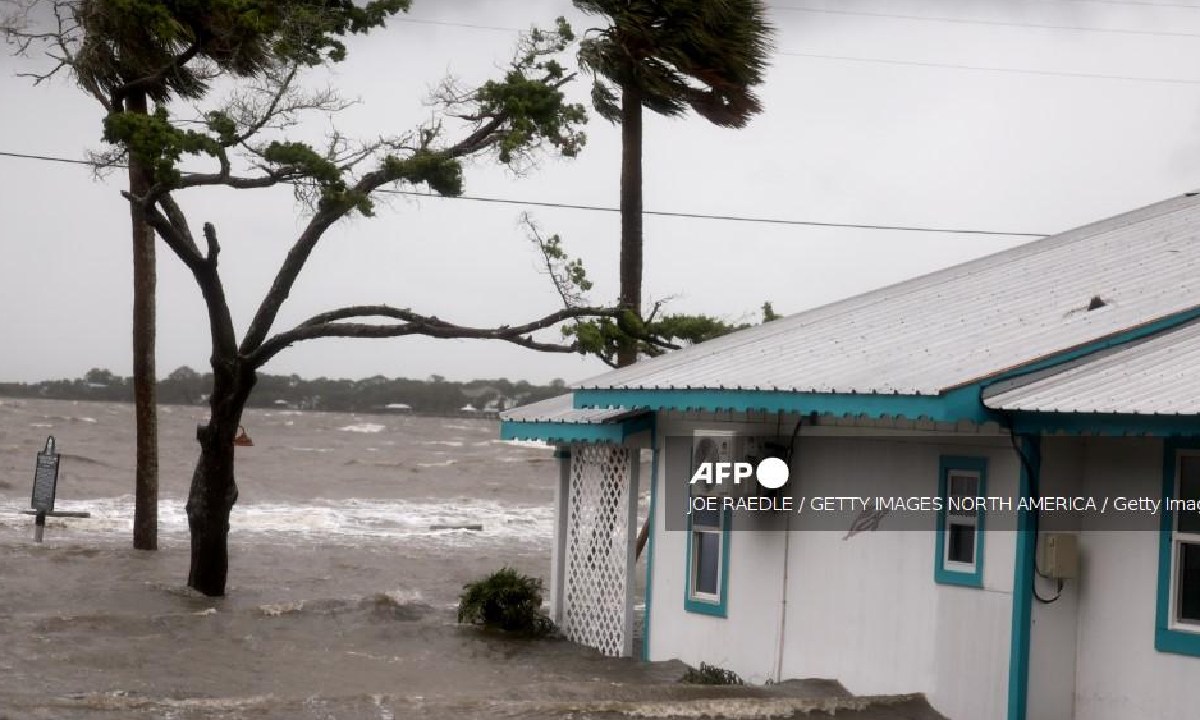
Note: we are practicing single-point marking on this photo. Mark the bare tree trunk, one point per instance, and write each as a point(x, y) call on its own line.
point(145, 513)
point(214, 488)
point(631, 215)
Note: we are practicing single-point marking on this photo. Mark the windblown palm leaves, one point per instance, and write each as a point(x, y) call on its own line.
point(676, 55)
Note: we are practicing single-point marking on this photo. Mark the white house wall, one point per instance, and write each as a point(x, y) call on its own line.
point(872, 616)
point(1052, 634)
point(746, 640)
point(1120, 675)
point(864, 610)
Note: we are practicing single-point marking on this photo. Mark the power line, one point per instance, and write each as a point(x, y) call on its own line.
point(991, 23)
point(910, 17)
point(990, 68)
point(447, 23)
point(1134, 3)
point(1050, 3)
point(610, 209)
point(909, 63)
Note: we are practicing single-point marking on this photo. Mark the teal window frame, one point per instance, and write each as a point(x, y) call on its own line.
point(943, 574)
point(702, 605)
point(1170, 636)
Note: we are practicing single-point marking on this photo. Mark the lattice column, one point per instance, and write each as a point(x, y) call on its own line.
point(601, 508)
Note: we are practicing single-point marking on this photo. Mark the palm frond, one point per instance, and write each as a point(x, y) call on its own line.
point(680, 55)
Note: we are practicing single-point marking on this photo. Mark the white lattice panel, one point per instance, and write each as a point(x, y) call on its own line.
point(597, 548)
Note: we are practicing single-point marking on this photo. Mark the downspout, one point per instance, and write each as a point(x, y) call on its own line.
point(787, 545)
point(783, 601)
point(1029, 451)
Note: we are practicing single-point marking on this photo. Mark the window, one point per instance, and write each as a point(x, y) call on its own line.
point(1177, 619)
point(708, 562)
point(959, 559)
point(1185, 546)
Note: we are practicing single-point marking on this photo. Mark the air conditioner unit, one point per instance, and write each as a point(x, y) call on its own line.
point(715, 447)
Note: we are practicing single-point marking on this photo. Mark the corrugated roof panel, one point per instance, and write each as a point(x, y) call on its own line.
point(960, 324)
point(559, 410)
point(1158, 376)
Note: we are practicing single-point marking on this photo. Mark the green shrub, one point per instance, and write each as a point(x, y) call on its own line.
point(710, 675)
point(505, 600)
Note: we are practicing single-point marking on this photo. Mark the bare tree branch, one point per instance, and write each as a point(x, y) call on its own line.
point(331, 324)
point(170, 225)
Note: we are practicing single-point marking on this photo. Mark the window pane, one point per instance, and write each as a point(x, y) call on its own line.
point(707, 546)
point(706, 518)
point(1189, 489)
point(1189, 582)
point(960, 541)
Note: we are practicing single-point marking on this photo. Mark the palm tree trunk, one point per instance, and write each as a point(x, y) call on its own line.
point(145, 513)
point(631, 215)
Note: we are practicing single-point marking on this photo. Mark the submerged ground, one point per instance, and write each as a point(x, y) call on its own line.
point(341, 596)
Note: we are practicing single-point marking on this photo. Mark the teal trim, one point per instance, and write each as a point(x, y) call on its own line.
point(705, 607)
point(960, 404)
point(1167, 639)
point(1047, 423)
point(562, 432)
point(1022, 600)
point(941, 574)
point(650, 540)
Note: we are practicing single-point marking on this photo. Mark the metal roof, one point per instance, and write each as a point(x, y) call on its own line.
point(559, 410)
point(1158, 376)
point(960, 324)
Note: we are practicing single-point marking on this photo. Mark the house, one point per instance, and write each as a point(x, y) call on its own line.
point(1063, 371)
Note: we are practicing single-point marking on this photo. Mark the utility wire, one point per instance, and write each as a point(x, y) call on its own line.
point(992, 23)
point(1129, 3)
point(1051, 3)
point(610, 209)
point(990, 68)
point(898, 62)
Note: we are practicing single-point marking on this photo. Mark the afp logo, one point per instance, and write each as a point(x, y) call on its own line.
point(771, 473)
point(714, 465)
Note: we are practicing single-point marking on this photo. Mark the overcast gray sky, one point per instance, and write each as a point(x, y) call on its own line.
point(872, 116)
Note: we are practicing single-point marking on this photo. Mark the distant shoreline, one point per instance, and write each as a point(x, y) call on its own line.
point(378, 395)
point(380, 413)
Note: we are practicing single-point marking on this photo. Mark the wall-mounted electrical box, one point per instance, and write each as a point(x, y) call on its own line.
point(1058, 556)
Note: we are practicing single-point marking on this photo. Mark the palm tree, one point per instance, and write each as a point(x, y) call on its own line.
point(669, 56)
point(131, 54)
point(124, 61)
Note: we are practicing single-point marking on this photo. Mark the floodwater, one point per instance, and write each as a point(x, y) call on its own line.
point(340, 601)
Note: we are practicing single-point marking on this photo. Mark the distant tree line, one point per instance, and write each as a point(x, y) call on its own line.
point(185, 386)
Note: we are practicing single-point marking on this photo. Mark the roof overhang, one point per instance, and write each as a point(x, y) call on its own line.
point(559, 421)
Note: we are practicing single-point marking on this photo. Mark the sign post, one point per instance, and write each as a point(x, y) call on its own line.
point(45, 483)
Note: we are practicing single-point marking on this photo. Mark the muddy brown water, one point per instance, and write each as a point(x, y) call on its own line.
point(341, 597)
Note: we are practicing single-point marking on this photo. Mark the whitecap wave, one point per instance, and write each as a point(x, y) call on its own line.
point(530, 444)
point(443, 463)
point(363, 428)
point(330, 520)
